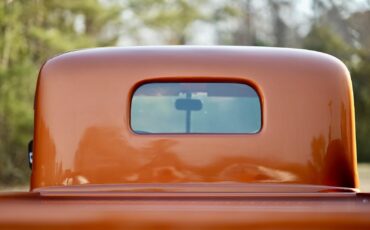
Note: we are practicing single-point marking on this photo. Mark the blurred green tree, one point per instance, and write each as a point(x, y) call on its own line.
point(360, 72)
point(173, 20)
point(31, 32)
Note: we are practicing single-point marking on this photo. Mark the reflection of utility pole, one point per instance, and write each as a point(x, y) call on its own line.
point(188, 114)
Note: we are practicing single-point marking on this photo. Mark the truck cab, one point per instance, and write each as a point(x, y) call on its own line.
point(194, 137)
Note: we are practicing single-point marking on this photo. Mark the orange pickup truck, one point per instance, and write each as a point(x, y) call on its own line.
point(192, 138)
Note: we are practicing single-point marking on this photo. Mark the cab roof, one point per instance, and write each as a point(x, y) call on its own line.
point(82, 119)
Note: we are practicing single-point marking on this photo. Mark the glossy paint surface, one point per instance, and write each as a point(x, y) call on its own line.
point(82, 119)
point(48, 209)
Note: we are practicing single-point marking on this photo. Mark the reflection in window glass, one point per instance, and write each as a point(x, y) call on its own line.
point(195, 108)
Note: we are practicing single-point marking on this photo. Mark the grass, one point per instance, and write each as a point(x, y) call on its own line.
point(364, 172)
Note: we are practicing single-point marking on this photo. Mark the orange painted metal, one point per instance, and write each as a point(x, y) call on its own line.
point(82, 123)
point(91, 171)
point(158, 210)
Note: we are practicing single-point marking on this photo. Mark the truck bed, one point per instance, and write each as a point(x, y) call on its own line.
point(140, 207)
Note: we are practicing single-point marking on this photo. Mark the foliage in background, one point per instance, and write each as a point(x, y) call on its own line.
point(31, 31)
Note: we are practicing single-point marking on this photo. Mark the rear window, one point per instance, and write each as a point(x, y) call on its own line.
point(195, 108)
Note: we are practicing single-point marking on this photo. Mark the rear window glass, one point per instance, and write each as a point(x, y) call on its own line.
point(195, 108)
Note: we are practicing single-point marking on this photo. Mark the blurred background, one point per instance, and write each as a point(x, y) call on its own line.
point(31, 31)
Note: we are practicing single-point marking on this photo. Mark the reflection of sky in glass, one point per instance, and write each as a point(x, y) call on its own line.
point(226, 108)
